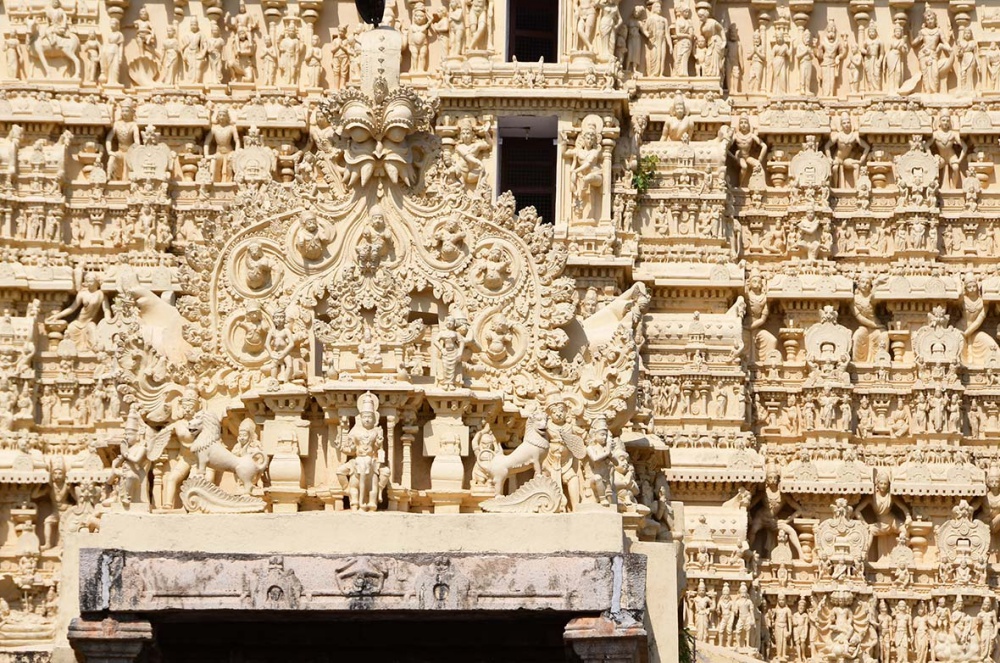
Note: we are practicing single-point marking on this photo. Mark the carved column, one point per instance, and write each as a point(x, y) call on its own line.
point(601, 640)
point(109, 640)
point(286, 442)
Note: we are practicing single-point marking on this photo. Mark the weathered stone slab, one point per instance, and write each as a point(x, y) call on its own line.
point(141, 582)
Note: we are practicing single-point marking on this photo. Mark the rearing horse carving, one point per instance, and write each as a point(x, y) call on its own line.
point(47, 40)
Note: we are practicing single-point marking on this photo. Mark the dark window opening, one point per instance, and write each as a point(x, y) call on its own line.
point(302, 638)
point(533, 26)
point(528, 170)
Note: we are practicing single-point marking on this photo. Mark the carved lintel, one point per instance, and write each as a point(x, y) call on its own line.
point(602, 639)
point(109, 640)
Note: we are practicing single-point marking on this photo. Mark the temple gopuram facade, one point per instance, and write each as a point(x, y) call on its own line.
point(536, 330)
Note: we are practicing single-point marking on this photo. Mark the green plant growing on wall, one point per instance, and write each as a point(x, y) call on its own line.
point(685, 646)
point(645, 173)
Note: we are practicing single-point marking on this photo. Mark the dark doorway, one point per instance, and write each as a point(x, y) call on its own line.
point(529, 638)
point(533, 26)
point(528, 163)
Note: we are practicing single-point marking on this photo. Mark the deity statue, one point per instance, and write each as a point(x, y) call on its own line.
point(895, 59)
point(290, 52)
point(979, 346)
point(418, 35)
point(283, 365)
point(226, 138)
point(171, 62)
point(950, 149)
point(935, 54)
point(679, 124)
point(450, 346)
point(841, 146)
point(313, 63)
point(966, 60)
point(311, 239)
point(832, 52)
point(734, 60)
point(758, 64)
point(193, 53)
point(214, 58)
point(683, 41)
point(658, 38)
point(765, 512)
point(586, 173)
point(259, 267)
point(365, 473)
point(91, 302)
point(872, 58)
point(467, 166)
point(781, 55)
point(124, 132)
point(805, 59)
point(715, 40)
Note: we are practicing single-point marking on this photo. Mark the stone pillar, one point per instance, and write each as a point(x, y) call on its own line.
point(109, 640)
point(601, 640)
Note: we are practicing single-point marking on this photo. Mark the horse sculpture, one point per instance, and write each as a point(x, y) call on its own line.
point(530, 453)
point(46, 41)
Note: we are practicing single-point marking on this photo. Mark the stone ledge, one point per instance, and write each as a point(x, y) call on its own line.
point(149, 582)
point(353, 533)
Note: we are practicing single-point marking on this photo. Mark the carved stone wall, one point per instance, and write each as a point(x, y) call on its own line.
point(253, 259)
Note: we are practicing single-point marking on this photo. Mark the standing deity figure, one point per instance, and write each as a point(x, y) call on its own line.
point(340, 48)
point(467, 166)
point(636, 35)
point(112, 52)
point(144, 33)
point(566, 449)
point(781, 628)
point(586, 24)
point(123, 135)
point(450, 345)
point(832, 52)
point(365, 473)
point(658, 36)
point(170, 61)
point(313, 64)
point(715, 41)
point(872, 58)
point(734, 60)
point(683, 42)
point(268, 61)
point(226, 138)
point(966, 60)
point(870, 338)
point(992, 68)
point(702, 606)
point(934, 54)
point(609, 22)
point(586, 173)
point(757, 69)
point(290, 50)
point(805, 59)
point(895, 59)
point(478, 21)
point(193, 53)
point(214, 46)
point(281, 346)
point(781, 54)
